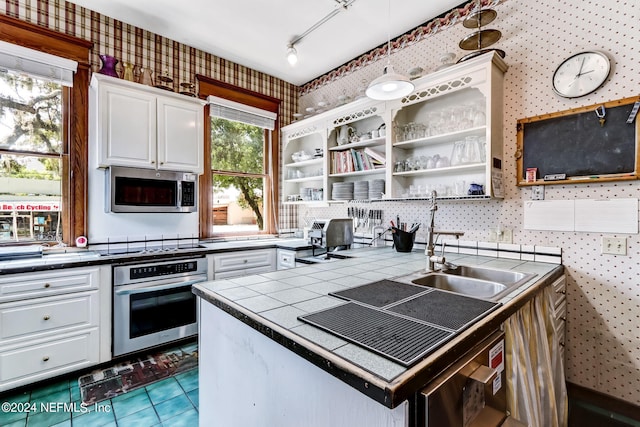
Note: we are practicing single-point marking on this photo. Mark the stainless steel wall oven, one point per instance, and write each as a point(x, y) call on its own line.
point(153, 303)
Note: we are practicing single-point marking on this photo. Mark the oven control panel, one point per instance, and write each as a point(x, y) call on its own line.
point(162, 269)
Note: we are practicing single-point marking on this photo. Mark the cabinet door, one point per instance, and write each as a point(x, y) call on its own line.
point(127, 127)
point(180, 135)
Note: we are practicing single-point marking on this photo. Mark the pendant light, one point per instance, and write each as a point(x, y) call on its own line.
point(292, 55)
point(390, 85)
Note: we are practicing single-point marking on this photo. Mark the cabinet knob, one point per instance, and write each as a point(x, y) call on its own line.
point(47, 285)
point(45, 359)
point(153, 162)
point(47, 317)
point(245, 261)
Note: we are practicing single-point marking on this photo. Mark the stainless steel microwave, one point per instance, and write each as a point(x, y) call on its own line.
point(147, 190)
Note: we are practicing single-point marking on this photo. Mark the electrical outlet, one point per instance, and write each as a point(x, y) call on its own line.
point(614, 245)
point(537, 192)
point(503, 235)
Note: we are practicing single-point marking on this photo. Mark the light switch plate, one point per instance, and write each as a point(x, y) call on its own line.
point(614, 245)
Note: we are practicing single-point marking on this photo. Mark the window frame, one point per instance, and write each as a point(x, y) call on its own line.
point(208, 86)
point(75, 119)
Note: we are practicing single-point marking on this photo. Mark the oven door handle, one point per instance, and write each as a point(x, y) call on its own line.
point(140, 289)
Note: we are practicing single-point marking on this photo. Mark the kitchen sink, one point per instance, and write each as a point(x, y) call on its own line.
point(484, 283)
point(461, 285)
point(504, 277)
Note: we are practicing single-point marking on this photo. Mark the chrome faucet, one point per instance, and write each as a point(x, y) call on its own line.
point(432, 258)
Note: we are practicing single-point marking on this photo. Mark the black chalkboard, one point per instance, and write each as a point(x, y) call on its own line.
point(574, 142)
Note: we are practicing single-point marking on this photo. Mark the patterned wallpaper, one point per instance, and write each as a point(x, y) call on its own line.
point(603, 333)
point(147, 50)
point(603, 342)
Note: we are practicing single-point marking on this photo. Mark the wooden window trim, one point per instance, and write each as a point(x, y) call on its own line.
point(208, 86)
point(75, 120)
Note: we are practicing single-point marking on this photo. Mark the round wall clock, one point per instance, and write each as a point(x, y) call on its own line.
point(581, 74)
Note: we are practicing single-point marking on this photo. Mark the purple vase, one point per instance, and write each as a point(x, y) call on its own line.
point(108, 65)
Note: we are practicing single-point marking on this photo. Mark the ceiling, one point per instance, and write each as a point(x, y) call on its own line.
point(255, 33)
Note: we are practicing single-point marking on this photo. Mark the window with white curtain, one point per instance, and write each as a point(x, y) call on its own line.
point(33, 149)
point(242, 201)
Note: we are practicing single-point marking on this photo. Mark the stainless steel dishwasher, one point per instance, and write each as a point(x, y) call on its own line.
point(472, 392)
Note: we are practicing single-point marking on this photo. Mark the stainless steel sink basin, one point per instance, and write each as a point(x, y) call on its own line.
point(504, 277)
point(461, 285)
point(485, 283)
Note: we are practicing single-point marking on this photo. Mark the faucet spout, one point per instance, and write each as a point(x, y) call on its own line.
point(429, 251)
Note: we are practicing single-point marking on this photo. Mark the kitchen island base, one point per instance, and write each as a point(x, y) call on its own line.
point(247, 379)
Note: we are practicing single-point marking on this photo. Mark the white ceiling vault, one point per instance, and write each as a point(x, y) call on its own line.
point(255, 33)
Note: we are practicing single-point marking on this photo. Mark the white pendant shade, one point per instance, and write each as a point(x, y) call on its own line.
point(292, 55)
point(390, 85)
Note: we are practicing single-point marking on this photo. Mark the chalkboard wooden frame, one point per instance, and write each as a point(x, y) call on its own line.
point(574, 138)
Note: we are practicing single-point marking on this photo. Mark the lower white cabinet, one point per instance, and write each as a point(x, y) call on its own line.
point(243, 263)
point(40, 360)
point(286, 259)
point(50, 324)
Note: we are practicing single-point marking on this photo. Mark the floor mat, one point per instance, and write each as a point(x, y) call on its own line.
point(121, 378)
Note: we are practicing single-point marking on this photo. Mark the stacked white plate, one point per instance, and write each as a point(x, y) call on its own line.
point(361, 190)
point(376, 188)
point(342, 191)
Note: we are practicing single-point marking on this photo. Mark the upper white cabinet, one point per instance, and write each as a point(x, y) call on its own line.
point(444, 136)
point(303, 161)
point(447, 134)
point(140, 126)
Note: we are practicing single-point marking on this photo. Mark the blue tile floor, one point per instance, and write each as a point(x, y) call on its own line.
point(171, 402)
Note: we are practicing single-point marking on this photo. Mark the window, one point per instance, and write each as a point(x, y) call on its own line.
point(32, 147)
point(240, 182)
point(239, 185)
point(43, 133)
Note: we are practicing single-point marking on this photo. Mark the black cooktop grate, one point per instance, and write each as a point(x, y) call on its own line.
point(402, 340)
point(380, 293)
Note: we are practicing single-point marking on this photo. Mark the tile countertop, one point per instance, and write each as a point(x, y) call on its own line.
point(72, 257)
point(271, 303)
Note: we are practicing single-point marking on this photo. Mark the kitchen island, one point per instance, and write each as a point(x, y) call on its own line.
point(262, 366)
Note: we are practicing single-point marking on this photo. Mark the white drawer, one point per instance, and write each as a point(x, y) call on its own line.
point(286, 259)
point(32, 363)
point(20, 286)
point(243, 272)
point(48, 315)
point(243, 260)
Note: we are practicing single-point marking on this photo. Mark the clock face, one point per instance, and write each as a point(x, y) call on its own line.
point(581, 74)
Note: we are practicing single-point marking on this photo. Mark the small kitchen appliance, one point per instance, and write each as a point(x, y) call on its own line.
point(136, 190)
point(331, 234)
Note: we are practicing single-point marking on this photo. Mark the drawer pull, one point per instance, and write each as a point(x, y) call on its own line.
point(47, 285)
point(45, 359)
point(47, 317)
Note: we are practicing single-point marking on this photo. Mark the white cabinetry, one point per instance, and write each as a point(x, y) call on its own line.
point(50, 324)
point(140, 126)
point(286, 259)
point(448, 133)
point(243, 263)
point(303, 179)
point(351, 135)
point(445, 136)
